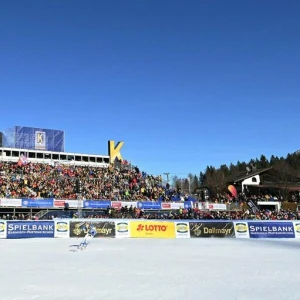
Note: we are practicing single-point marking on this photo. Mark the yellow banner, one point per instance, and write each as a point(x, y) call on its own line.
point(152, 229)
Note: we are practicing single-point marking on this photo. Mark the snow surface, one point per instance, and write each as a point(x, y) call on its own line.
point(166, 269)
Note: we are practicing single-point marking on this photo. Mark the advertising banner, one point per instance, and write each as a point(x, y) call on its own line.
point(2, 229)
point(149, 205)
point(103, 228)
point(96, 204)
point(188, 204)
point(212, 229)
point(30, 229)
point(152, 229)
point(62, 228)
point(241, 229)
point(271, 229)
point(182, 230)
point(215, 206)
point(297, 229)
point(37, 203)
point(122, 229)
point(72, 203)
point(172, 205)
point(11, 202)
point(129, 203)
point(116, 204)
point(39, 138)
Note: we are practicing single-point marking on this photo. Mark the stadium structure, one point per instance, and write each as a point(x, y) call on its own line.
point(47, 146)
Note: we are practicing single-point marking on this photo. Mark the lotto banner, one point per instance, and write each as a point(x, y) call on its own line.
point(2, 229)
point(152, 229)
point(212, 229)
point(103, 228)
point(62, 228)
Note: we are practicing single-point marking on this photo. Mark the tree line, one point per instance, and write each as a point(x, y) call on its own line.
point(285, 170)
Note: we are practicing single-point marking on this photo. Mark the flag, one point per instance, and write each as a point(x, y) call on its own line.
point(22, 160)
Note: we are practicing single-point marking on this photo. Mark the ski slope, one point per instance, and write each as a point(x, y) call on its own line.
point(150, 269)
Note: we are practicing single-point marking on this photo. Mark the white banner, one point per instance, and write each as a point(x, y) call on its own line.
point(182, 230)
point(122, 229)
point(62, 228)
point(2, 229)
point(215, 206)
point(128, 204)
point(241, 229)
point(172, 205)
point(11, 202)
point(72, 203)
point(297, 229)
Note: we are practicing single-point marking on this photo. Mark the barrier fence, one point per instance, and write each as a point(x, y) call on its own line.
point(73, 228)
point(102, 204)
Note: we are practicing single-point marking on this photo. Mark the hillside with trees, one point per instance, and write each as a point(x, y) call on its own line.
point(285, 170)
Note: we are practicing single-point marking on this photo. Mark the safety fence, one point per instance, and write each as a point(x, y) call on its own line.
point(103, 204)
point(71, 228)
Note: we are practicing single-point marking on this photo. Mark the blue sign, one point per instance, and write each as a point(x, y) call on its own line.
point(96, 204)
point(188, 204)
point(271, 229)
point(149, 205)
point(30, 229)
point(37, 203)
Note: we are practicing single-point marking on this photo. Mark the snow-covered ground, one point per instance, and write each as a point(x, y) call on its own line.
point(151, 269)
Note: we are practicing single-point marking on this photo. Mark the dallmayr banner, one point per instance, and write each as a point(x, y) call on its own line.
point(2, 229)
point(271, 229)
point(212, 229)
point(152, 229)
point(103, 228)
point(30, 229)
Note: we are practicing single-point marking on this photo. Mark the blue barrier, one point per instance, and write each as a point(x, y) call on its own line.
point(271, 229)
point(149, 205)
point(96, 204)
point(30, 229)
point(45, 203)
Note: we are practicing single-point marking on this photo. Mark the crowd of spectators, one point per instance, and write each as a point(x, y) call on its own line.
point(39, 180)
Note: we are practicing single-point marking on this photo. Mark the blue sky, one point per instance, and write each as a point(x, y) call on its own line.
point(184, 84)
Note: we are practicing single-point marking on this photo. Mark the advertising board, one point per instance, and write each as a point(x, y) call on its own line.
point(39, 139)
point(271, 229)
point(212, 229)
point(182, 230)
point(96, 203)
point(241, 229)
point(72, 203)
point(37, 203)
point(30, 229)
point(297, 229)
point(122, 229)
point(149, 205)
point(2, 229)
point(10, 202)
point(62, 228)
point(152, 229)
point(103, 228)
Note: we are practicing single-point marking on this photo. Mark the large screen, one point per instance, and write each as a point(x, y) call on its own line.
point(34, 138)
